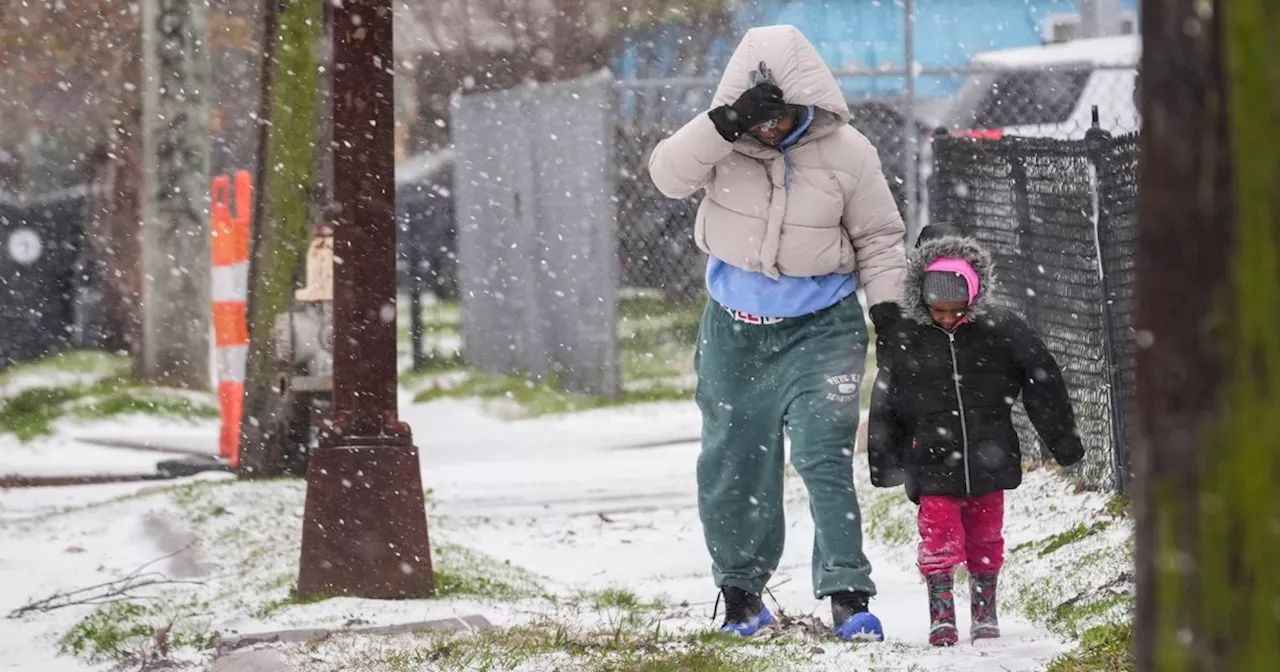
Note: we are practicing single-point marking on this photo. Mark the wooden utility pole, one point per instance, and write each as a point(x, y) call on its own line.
point(283, 214)
point(175, 224)
point(365, 528)
point(1207, 453)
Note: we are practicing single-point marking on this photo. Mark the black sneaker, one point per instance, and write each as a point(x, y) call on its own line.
point(744, 612)
point(853, 622)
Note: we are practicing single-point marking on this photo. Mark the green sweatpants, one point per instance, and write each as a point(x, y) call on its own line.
point(753, 380)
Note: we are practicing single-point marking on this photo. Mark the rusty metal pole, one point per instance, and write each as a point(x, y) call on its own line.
point(365, 527)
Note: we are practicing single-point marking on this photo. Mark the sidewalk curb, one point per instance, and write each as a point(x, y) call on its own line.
point(166, 470)
point(144, 446)
point(257, 660)
point(472, 623)
point(8, 481)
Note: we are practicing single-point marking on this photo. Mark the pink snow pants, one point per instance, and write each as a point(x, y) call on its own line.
point(961, 530)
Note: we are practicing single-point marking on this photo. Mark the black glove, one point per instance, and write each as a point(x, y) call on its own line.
point(1068, 451)
point(756, 105)
point(885, 314)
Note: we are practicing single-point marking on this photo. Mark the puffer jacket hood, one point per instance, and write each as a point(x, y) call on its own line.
point(913, 305)
point(797, 69)
point(817, 207)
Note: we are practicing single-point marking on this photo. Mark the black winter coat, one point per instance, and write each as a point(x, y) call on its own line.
point(941, 409)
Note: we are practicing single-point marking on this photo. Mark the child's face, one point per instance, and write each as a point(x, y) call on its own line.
point(947, 314)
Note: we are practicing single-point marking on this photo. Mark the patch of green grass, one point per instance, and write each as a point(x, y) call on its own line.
point(1106, 648)
point(1073, 535)
point(87, 362)
point(1068, 616)
point(617, 598)
point(618, 649)
point(630, 604)
point(637, 311)
point(31, 413)
point(1072, 616)
point(126, 630)
point(541, 398)
point(436, 363)
point(659, 365)
point(136, 400)
point(292, 598)
point(1026, 545)
point(459, 572)
point(197, 495)
point(1117, 507)
point(656, 340)
point(885, 519)
point(450, 584)
point(109, 633)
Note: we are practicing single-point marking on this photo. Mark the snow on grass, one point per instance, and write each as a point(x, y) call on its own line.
point(656, 342)
point(67, 368)
point(227, 554)
point(1068, 560)
point(576, 535)
point(80, 387)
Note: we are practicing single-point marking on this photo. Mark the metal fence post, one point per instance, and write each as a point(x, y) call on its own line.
point(912, 149)
point(1098, 142)
point(941, 189)
point(414, 262)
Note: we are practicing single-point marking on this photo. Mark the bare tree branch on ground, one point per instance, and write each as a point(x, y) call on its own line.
point(115, 590)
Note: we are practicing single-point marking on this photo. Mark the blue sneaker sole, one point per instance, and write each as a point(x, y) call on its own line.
point(751, 627)
point(867, 630)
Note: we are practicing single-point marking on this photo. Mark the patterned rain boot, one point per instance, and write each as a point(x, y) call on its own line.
point(982, 602)
point(942, 609)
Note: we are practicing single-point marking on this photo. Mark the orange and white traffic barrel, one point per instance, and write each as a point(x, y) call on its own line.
point(230, 243)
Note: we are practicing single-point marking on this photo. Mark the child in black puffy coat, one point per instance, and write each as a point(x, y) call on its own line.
point(950, 370)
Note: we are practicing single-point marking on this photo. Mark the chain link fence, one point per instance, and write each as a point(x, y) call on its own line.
point(1117, 166)
point(660, 271)
point(655, 234)
point(1059, 217)
point(655, 243)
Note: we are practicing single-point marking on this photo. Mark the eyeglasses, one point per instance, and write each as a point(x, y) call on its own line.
point(765, 127)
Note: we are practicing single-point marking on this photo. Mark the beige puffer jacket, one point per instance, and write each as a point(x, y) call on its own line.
point(838, 215)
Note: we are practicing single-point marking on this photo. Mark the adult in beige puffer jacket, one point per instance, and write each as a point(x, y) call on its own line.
point(839, 215)
point(796, 213)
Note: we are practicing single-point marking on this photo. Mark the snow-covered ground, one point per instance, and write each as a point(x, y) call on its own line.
point(83, 444)
point(585, 521)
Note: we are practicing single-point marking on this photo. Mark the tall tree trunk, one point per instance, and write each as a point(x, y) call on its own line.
point(282, 222)
point(1207, 455)
point(114, 218)
point(175, 232)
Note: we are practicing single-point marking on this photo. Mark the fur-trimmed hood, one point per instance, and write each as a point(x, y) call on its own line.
point(913, 305)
